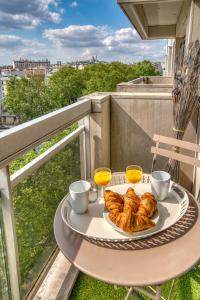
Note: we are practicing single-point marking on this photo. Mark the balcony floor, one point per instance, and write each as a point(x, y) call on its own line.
point(86, 288)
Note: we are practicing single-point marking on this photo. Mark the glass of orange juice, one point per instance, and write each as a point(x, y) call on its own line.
point(134, 174)
point(102, 176)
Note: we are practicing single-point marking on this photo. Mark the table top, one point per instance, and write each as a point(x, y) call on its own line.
point(130, 267)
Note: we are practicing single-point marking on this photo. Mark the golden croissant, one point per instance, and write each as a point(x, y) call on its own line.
point(130, 192)
point(131, 222)
point(131, 213)
point(131, 203)
point(114, 204)
point(148, 205)
point(132, 199)
point(141, 222)
point(124, 220)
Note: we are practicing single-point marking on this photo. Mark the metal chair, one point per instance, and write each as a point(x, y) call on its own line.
point(193, 161)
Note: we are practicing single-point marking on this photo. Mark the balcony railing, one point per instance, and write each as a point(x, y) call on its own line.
point(35, 190)
point(150, 84)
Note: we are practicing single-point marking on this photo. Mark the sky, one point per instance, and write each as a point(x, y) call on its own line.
point(69, 30)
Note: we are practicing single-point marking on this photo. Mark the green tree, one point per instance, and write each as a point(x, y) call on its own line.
point(105, 77)
point(65, 86)
point(144, 68)
point(27, 98)
point(31, 98)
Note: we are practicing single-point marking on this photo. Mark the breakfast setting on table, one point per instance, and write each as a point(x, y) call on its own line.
point(131, 210)
point(119, 226)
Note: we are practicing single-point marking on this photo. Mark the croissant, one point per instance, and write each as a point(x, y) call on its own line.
point(124, 220)
point(108, 195)
point(131, 222)
point(131, 203)
point(130, 213)
point(131, 192)
point(141, 222)
point(114, 204)
point(148, 205)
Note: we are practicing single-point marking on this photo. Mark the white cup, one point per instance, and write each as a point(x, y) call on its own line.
point(79, 196)
point(160, 183)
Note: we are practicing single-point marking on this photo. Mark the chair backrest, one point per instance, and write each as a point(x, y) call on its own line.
point(194, 161)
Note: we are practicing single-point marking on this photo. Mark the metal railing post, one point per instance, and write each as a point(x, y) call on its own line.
point(83, 157)
point(85, 148)
point(10, 233)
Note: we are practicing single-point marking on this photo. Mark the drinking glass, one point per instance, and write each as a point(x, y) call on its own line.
point(102, 176)
point(134, 174)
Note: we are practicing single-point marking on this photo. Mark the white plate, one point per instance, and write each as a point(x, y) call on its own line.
point(93, 225)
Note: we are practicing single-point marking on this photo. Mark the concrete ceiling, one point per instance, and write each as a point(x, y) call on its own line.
point(162, 13)
point(153, 18)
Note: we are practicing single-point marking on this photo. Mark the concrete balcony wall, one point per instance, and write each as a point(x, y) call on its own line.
point(135, 118)
point(153, 80)
point(121, 128)
point(149, 84)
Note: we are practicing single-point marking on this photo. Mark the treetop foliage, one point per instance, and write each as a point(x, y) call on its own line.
point(33, 97)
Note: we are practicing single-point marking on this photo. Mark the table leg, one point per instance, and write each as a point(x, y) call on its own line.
point(170, 292)
point(128, 295)
point(158, 292)
point(132, 293)
point(116, 287)
point(154, 294)
point(171, 289)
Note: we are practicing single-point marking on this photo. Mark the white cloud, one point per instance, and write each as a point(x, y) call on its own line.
point(8, 41)
point(23, 14)
point(75, 36)
point(13, 46)
point(75, 42)
point(81, 42)
point(125, 37)
point(18, 21)
point(74, 4)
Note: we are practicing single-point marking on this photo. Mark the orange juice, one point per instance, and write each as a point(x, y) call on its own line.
point(134, 176)
point(102, 178)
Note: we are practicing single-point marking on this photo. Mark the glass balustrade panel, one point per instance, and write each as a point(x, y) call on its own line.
point(35, 201)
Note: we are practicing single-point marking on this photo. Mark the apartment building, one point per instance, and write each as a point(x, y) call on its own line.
point(25, 64)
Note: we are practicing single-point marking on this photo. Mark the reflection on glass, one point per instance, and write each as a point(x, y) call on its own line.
point(35, 203)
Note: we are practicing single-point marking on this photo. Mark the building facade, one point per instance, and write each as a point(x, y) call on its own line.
point(36, 72)
point(25, 64)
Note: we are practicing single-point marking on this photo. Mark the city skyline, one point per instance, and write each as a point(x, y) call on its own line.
point(71, 30)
